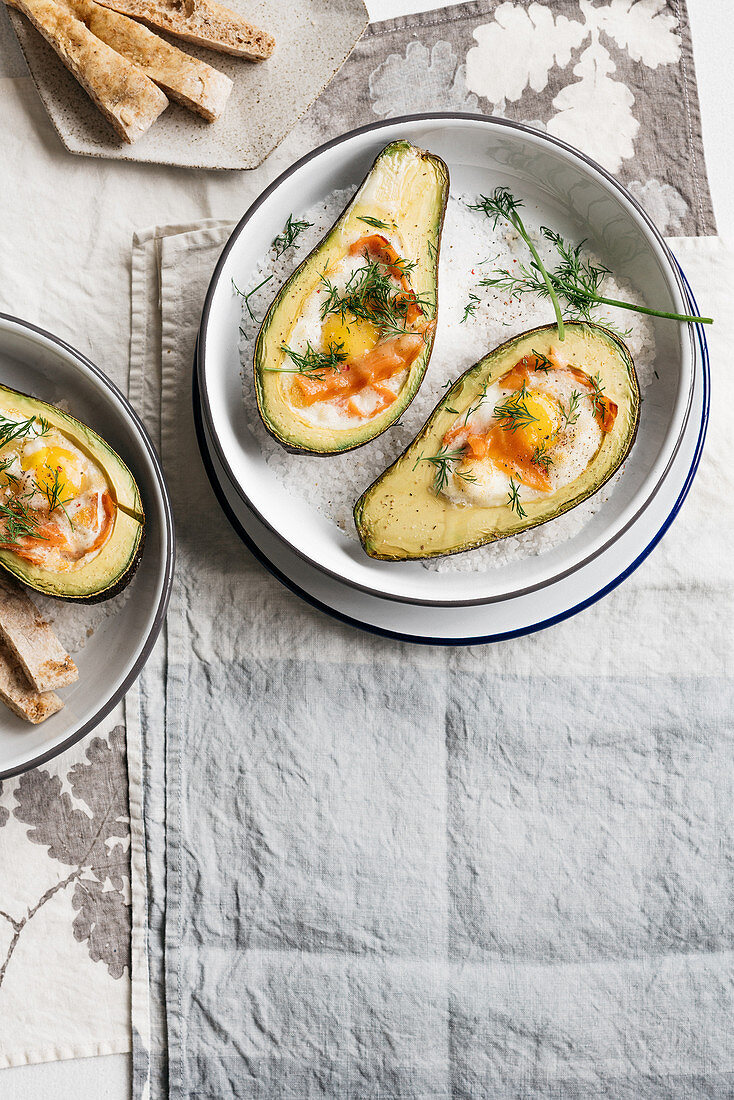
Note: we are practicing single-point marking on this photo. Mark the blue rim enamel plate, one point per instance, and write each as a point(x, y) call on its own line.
point(565, 190)
point(499, 620)
point(35, 362)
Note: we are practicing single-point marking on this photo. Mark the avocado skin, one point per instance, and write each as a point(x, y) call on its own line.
point(287, 434)
point(366, 509)
point(115, 589)
point(127, 538)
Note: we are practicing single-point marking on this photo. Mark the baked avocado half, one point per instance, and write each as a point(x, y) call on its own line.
point(71, 517)
point(345, 344)
point(527, 433)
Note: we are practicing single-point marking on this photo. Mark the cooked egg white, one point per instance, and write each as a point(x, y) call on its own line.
point(571, 447)
point(41, 469)
point(356, 336)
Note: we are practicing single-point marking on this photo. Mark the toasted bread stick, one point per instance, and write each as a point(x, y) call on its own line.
point(201, 21)
point(32, 642)
point(191, 82)
point(127, 98)
point(19, 696)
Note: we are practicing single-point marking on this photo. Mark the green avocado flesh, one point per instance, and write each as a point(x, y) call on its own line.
point(407, 189)
point(401, 517)
point(108, 570)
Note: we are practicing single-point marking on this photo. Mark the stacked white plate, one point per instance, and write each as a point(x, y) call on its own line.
point(327, 567)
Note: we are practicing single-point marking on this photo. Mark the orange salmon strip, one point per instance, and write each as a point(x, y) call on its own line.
point(377, 246)
point(32, 549)
point(379, 364)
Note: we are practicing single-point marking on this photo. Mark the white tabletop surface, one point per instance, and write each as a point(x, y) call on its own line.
point(712, 23)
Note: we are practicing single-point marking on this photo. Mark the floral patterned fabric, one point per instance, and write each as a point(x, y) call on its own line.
point(65, 905)
point(615, 78)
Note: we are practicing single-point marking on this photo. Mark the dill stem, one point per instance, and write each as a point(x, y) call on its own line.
point(517, 222)
point(640, 309)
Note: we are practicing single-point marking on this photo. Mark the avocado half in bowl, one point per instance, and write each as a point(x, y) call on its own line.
point(112, 640)
point(54, 537)
point(378, 266)
point(410, 512)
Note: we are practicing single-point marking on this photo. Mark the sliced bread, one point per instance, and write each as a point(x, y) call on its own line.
point(19, 696)
point(191, 82)
point(201, 21)
point(31, 640)
point(127, 98)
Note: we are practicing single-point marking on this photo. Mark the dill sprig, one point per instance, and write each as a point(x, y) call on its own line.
point(597, 402)
point(312, 361)
point(543, 362)
point(443, 466)
point(5, 465)
point(476, 403)
point(372, 295)
point(18, 429)
point(575, 279)
point(541, 457)
point(471, 307)
point(513, 499)
point(246, 297)
point(513, 412)
point(52, 490)
point(571, 414)
point(503, 204)
point(18, 522)
point(376, 223)
point(290, 233)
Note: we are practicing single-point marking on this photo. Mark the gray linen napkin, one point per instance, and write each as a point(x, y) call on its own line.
point(399, 871)
point(403, 872)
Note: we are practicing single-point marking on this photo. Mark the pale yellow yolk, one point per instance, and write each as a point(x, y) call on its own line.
point(45, 464)
point(545, 411)
point(356, 336)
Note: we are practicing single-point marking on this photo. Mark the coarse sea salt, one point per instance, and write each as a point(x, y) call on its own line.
point(470, 251)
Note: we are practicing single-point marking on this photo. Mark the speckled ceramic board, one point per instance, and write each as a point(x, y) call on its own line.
point(313, 39)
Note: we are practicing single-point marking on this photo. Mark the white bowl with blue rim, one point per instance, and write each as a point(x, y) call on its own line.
point(567, 191)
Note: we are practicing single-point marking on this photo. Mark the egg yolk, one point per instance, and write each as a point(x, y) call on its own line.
point(356, 335)
point(545, 411)
point(47, 462)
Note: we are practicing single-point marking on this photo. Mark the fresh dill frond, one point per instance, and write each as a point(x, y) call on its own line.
point(18, 522)
point(52, 490)
point(471, 307)
point(5, 465)
point(290, 233)
point(513, 499)
point(376, 223)
point(503, 204)
point(443, 466)
point(372, 295)
point(246, 297)
point(579, 278)
point(476, 403)
point(571, 414)
point(575, 278)
point(543, 362)
point(312, 361)
point(597, 401)
point(513, 412)
point(19, 429)
point(541, 457)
